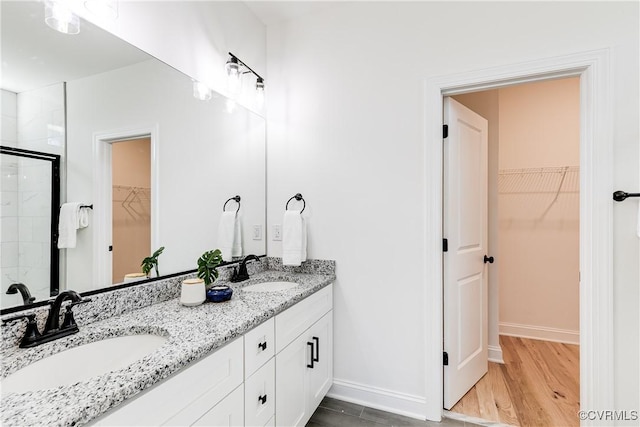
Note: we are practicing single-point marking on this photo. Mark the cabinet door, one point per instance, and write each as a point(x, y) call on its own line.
point(229, 412)
point(320, 376)
point(291, 389)
point(260, 396)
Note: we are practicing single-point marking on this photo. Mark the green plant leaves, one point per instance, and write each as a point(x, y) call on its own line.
point(207, 264)
point(151, 261)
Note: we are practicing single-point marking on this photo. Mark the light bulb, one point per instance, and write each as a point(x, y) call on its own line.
point(260, 93)
point(201, 91)
point(58, 15)
point(234, 82)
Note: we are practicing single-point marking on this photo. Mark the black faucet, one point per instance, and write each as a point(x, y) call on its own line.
point(52, 329)
point(24, 291)
point(242, 274)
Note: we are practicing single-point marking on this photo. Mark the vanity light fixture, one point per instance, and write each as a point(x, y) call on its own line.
point(235, 70)
point(58, 15)
point(260, 92)
point(102, 8)
point(201, 91)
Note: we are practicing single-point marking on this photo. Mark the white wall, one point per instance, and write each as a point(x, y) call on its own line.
point(346, 129)
point(204, 155)
point(539, 229)
point(191, 36)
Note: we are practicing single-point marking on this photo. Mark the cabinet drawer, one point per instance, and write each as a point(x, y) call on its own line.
point(260, 396)
point(259, 346)
point(298, 318)
point(186, 396)
point(228, 413)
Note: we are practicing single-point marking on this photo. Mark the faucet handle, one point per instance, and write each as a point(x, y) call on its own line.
point(69, 321)
point(31, 334)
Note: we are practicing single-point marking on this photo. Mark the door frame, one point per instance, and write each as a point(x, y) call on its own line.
point(596, 209)
point(103, 195)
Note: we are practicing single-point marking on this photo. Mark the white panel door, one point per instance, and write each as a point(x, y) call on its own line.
point(291, 383)
point(465, 228)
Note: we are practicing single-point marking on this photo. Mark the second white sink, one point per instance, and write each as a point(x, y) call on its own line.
point(81, 363)
point(270, 286)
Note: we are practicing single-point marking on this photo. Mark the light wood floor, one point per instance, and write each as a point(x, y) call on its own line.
point(537, 386)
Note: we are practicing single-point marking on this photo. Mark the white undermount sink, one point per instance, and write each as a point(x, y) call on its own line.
point(270, 286)
point(81, 363)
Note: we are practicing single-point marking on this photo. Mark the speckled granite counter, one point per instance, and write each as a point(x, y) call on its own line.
point(192, 333)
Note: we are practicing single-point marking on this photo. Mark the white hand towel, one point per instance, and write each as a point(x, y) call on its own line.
point(226, 234)
point(72, 218)
point(236, 251)
point(294, 239)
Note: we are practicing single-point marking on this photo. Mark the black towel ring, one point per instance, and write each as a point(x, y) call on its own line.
point(237, 200)
point(86, 206)
point(298, 197)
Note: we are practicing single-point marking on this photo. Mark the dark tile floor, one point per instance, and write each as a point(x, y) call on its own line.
point(336, 413)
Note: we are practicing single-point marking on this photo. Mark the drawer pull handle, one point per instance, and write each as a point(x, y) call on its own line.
point(316, 358)
point(263, 399)
point(312, 358)
point(262, 346)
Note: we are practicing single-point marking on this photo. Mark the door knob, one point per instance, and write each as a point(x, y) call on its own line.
point(488, 259)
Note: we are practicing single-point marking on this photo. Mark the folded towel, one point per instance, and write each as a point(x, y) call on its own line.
point(72, 218)
point(236, 251)
point(294, 238)
point(230, 235)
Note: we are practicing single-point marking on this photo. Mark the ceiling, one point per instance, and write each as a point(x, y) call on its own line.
point(274, 12)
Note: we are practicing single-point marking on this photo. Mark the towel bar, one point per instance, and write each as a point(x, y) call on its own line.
point(298, 197)
point(237, 200)
point(619, 196)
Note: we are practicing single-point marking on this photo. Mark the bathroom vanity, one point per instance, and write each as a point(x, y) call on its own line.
point(263, 358)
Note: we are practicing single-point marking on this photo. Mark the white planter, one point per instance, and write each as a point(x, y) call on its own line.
point(193, 292)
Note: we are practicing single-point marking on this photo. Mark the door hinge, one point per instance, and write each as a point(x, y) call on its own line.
point(445, 358)
point(445, 131)
point(445, 245)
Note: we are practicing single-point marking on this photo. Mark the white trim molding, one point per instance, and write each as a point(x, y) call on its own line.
point(495, 354)
point(539, 333)
point(378, 398)
point(102, 195)
point(596, 242)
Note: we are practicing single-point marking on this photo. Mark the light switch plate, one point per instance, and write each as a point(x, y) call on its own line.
point(257, 232)
point(277, 232)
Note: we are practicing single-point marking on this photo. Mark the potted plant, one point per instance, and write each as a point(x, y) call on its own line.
point(194, 291)
point(207, 266)
point(151, 262)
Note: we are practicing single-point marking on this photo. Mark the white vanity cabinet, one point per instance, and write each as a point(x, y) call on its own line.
point(184, 398)
point(304, 363)
point(276, 374)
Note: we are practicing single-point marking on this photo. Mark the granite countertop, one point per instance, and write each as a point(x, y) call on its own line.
point(192, 332)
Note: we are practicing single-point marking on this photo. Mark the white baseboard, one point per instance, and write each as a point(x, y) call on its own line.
point(540, 333)
point(378, 398)
point(495, 354)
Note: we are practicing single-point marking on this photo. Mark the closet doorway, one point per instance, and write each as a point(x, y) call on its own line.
point(131, 206)
point(532, 335)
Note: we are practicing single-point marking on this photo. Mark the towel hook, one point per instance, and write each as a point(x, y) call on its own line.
point(619, 196)
point(298, 197)
point(237, 200)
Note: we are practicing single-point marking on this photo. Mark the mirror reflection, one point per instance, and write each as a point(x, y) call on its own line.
point(155, 164)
